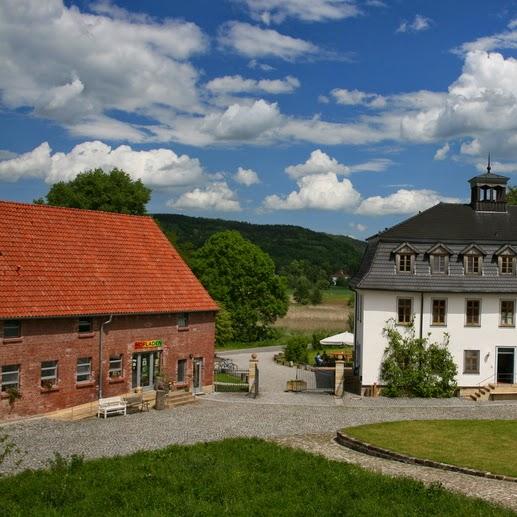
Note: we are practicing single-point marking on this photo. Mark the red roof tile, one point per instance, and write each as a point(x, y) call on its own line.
point(63, 262)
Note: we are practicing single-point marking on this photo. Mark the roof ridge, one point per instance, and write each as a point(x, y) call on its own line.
point(66, 208)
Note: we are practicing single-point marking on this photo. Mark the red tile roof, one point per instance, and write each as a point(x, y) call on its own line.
point(65, 262)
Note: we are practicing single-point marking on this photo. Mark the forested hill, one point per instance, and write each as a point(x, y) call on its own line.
point(284, 243)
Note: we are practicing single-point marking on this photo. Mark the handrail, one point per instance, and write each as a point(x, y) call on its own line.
point(484, 380)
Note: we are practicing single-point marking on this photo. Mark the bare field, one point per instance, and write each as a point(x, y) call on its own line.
point(315, 317)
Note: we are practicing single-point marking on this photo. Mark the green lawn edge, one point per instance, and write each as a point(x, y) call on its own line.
point(477, 444)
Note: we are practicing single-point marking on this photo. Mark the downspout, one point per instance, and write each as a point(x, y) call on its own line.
point(421, 313)
point(101, 352)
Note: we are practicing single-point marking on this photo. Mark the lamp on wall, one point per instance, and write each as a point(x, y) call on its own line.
point(191, 356)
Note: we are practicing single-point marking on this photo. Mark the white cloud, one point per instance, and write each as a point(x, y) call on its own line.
point(498, 167)
point(217, 197)
point(246, 177)
point(254, 64)
point(402, 202)
point(242, 122)
point(323, 99)
point(64, 64)
point(317, 163)
point(276, 11)
point(255, 42)
point(317, 191)
point(358, 227)
point(238, 84)
point(6, 155)
point(155, 167)
point(442, 152)
point(419, 23)
point(354, 97)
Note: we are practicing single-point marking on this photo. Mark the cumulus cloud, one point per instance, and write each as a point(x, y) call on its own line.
point(498, 167)
point(317, 191)
point(255, 42)
point(442, 152)
point(354, 97)
point(246, 177)
point(238, 84)
point(157, 168)
point(217, 197)
point(321, 163)
point(419, 23)
point(276, 11)
point(402, 202)
point(63, 63)
point(317, 163)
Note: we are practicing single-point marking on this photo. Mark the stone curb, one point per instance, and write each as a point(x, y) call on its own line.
point(372, 450)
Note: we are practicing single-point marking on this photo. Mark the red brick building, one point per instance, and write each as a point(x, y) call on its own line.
point(94, 304)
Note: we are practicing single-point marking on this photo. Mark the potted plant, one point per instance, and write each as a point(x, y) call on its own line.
point(13, 394)
point(47, 384)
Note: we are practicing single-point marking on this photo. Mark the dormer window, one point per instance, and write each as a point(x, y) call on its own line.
point(506, 267)
point(473, 260)
point(506, 258)
point(405, 256)
point(472, 265)
point(405, 263)
point(439, 259)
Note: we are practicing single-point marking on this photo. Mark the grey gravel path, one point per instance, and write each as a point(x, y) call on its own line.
point(206, 421)
point(499, 492)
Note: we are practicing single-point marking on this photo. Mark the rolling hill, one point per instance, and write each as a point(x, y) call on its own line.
point(283, 242)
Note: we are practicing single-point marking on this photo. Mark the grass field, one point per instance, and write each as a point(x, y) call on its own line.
point(488, 445)
point(238, 477)
point(331, 314)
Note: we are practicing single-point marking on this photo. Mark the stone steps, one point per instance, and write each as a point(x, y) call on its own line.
point(179, 398)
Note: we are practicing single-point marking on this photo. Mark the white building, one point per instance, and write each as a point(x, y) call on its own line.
point(451, 268)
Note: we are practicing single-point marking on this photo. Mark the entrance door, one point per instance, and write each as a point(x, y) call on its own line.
point(505, 365)
point(197, 380)
point(144, 369)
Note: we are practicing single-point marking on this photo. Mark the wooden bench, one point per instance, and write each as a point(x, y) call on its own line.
point(111, 405)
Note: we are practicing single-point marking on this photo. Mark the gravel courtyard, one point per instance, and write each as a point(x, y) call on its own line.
point(284, 417)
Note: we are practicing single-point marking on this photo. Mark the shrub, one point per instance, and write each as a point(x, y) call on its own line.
point(415, 367)
point(296, 350)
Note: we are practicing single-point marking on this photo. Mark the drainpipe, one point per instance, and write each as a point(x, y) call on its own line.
point(421, 313)
point(101, 352)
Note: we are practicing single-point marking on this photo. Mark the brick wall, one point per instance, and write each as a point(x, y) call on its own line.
point(59, 339)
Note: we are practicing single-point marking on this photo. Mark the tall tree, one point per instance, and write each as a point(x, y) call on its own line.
point(242, 277)
point(511, 196)
point(113, 191)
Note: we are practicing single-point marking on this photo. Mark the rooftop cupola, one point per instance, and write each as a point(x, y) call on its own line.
point(488, 191)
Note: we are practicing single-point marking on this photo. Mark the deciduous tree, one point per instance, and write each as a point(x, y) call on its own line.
point(113, 191)
point(242, 277)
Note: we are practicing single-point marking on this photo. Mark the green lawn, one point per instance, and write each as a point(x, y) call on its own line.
point(337, 295)
point(488, 445)
point(238, 477)
point(227, 377)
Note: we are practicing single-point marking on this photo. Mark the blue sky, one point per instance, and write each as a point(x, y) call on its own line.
point(337, 115)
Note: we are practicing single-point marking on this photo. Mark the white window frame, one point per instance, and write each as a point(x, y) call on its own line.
point(501, 323)
point(49, 373)
point(115, 366)
point(411, 257)
point(83, 362)
point(183, 320)
point(11, 384)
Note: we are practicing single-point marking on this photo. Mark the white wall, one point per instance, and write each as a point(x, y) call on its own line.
point(379, 306)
